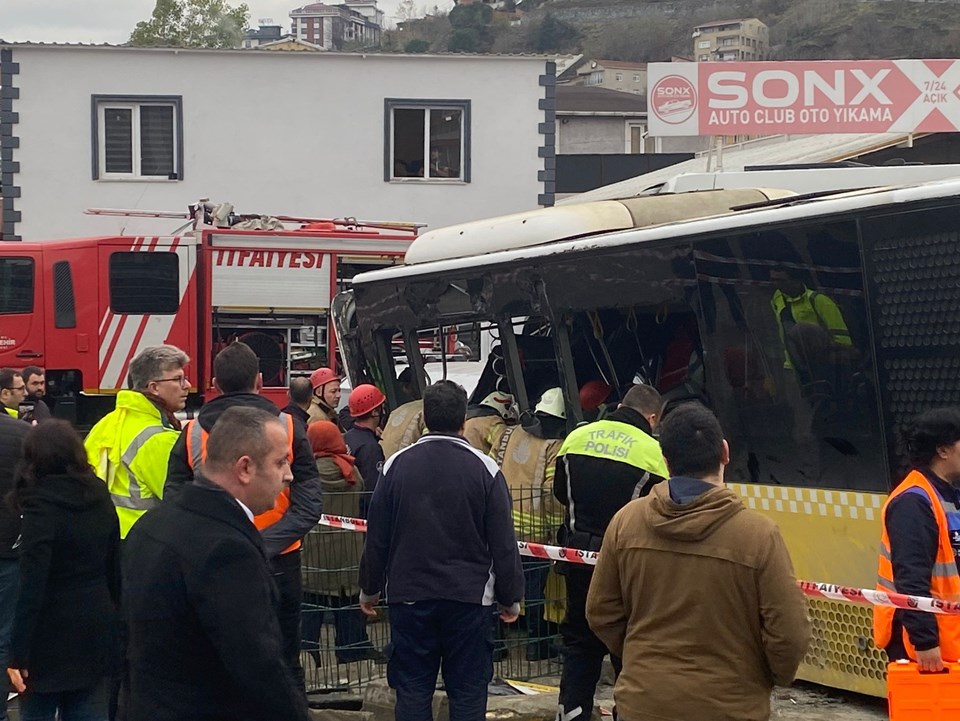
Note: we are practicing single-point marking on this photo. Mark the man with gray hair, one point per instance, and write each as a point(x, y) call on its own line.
point(301, 395)
point(200, 603)
point(129, 447)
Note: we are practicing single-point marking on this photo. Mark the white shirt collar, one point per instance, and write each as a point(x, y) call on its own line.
point(246, 510)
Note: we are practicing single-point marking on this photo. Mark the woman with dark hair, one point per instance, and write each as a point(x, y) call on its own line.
point(920, 545)
point(69, 580)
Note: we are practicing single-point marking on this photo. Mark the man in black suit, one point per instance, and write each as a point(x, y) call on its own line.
point(200, 604)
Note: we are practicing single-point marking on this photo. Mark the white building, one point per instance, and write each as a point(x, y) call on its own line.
point(425, 138)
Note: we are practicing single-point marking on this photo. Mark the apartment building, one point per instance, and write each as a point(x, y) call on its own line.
point(727, 40)
point(333, 27)
point(614, 75)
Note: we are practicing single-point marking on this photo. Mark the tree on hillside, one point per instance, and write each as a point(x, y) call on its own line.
point(552, 35)
point(471, 28)
point(192, 24)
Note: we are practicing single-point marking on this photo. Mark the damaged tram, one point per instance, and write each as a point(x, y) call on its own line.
point(687, 292)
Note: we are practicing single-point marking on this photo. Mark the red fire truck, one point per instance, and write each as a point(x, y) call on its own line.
point(83, 308)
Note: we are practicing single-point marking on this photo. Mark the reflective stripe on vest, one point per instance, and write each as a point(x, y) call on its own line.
point(135, 500)
point(196, 438)
point(945, 578)
point(616, 441)
point(12, 413)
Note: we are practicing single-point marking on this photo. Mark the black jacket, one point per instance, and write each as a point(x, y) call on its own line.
point(598, 487)
point(297, 412)
point(201, 612)
point(12, 433)
point(69, 584)
point(440, 528)
point(34, 409)
point(306, 492)
point(363, 444)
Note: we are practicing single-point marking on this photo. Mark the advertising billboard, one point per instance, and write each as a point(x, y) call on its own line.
point(828, 96)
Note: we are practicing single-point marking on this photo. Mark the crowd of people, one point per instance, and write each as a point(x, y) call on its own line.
point(156, 570)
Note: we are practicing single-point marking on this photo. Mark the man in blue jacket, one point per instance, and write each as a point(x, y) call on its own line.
point(440, 541)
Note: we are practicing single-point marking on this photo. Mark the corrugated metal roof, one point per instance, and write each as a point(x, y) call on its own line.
point(776, 150)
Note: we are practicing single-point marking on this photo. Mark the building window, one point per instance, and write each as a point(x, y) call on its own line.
point(137, 137)
point(636, 77)
point(16, 285)
point(703, 44)
point(143, 282)
point(619, 77)
point(427, 140)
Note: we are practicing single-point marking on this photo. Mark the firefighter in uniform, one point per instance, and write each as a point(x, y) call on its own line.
point(601, 467)
point(297, 509)
point(326, 396)
point(486, 420)
point(363, 439)
point(526, 454)
point(920, 545)
point(129, 447)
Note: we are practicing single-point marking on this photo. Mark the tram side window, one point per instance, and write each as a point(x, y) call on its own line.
point(788, 360)
point(16, 285)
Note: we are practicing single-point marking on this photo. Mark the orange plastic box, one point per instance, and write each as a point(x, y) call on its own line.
point(916, 696)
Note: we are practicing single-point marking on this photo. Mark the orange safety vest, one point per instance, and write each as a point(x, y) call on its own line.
point(944, 583)
point(197, 450)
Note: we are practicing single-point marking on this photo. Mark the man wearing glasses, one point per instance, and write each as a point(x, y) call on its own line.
point(129, 448)
point(12, 391)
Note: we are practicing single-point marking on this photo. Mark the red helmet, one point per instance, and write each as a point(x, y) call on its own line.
point(321, 376)
point(593, 393)
point(364, 399)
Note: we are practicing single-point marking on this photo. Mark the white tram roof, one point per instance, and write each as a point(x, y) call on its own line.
point(788, 211)
point(548, 225)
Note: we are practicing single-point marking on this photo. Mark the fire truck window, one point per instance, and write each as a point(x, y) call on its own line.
point(16, 285)
point(144, 283)
point(64, 303)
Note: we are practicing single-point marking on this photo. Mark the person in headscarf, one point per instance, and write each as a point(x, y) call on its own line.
point(331, 556)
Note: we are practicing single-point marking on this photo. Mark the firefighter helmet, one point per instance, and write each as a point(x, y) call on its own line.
point(502, 403)
point(551, 403)
point(364, 399)
point(321, 376)
point(593, 393)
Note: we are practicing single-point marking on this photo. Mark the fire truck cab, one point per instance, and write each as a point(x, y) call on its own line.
point(83, 309)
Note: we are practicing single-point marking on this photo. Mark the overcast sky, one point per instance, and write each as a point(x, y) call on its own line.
point(110, 21)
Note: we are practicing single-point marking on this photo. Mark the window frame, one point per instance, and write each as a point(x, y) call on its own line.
point(28, 261)
point(99, 104)
point(173, 306)
point(392, 104)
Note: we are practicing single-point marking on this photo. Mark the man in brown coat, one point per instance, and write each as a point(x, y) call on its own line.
point(696, 593)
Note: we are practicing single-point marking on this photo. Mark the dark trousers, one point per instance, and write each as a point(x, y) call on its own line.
point(539, 630)
point(86, 704)
point(286, 574)
point(350, 626)
point(9, 586)
point(430, 636)
point(583, 652)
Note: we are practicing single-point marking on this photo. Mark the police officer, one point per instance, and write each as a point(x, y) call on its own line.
point(601, 466)
point(326, 396)
point(526, 454)
point(363, 439)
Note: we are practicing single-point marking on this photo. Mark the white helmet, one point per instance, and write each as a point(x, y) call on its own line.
point(502, 403)
point(551, 403)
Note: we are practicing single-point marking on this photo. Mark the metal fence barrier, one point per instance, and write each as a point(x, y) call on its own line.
point(342, 649)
